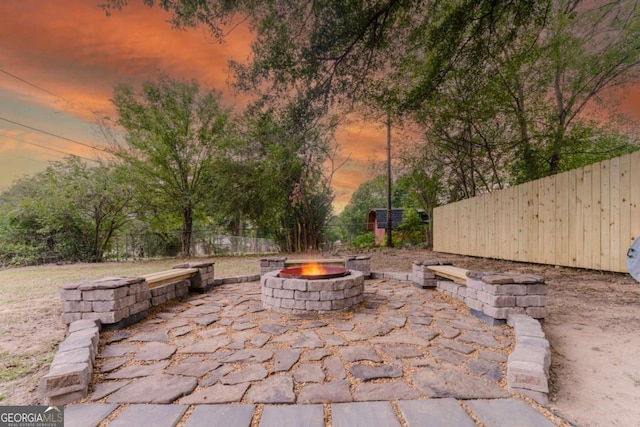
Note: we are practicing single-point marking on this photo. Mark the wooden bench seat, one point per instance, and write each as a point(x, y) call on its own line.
point(458, 275)
point(168, 276)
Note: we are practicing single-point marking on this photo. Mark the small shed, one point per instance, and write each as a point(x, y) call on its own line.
point(377, 221)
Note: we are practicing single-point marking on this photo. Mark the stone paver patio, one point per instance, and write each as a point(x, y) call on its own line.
point(224, 350)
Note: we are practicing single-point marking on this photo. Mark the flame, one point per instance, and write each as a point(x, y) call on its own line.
point(312, 269)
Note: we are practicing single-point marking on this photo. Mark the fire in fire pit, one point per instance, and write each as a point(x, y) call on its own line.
point(314, 271)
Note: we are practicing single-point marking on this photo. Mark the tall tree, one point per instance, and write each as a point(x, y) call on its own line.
point(276, 177)
point(173, 131)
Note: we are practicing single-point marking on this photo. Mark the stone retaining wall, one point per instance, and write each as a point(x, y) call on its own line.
point(169, 292)
point(490, 296)
point(529, 362)
point(498, 295)
point(360, 263)
point(111, 300)
point(203, 281)
point(72, 367)
point(271, 264)
point(120, 301)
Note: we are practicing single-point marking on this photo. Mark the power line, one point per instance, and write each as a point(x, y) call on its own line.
point(30, 84)
point(69, 101)
point(49, 148)
point(53, 134)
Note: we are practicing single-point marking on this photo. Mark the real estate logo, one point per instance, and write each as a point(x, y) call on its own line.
point(31, 416)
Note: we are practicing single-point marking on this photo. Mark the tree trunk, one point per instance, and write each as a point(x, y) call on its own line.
point(187, 229)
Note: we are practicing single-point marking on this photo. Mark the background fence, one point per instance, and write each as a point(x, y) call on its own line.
point(587, 217)
point(203, 243)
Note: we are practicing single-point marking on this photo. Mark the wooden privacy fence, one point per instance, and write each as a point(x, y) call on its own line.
point(586, 217)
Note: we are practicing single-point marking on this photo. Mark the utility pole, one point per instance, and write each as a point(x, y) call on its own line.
point(389, 221)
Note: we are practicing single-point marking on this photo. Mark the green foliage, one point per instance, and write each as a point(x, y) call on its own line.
point(67, 212)
point(412, 230)
point(364, 240)
point(173, 132)
point(273, 178)
point(17, 254)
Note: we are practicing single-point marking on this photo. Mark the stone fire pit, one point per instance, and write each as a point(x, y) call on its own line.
point(310, 294)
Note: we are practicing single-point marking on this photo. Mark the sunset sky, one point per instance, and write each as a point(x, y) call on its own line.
point(60, 60)
point(59, 63)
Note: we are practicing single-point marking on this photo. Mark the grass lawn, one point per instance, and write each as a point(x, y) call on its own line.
point(30, 327)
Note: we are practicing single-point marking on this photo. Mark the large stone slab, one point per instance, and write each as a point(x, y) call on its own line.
point(368, 373)
point(308, 339)
point(215, 376)
point(104, 389)
point(333, 391)
point(275, 389)
point(87, 414)
point(456, 384)
point(260, 340)
point(193, 367)
point(385, 391)
point(137, 371)
point(159, 336)
point(335, 368)
point(155, 351)
point(206, 320)
point(274, 329)
point(293, 416)
point(363, 414)
point(249, 355)
point(402, 337)
point(490, 370)
point(117, 350)
point(218, 393)
point(285, 359)
point(210, 345)
point(247, 374)
point(112, 364)
point(482, 338)
point(492, 413)
point(154, 389)
point(149, 415)
point(358, 353)
point(375, 329)
point(439, 412)
point(224, 415)
point(448, 355)
point(309, 373)
point(401, 351)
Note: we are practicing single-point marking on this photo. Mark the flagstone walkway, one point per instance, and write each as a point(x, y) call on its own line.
point(221, 355)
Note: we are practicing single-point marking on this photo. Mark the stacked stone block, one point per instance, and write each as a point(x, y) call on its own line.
point(528, 364)
point(495, 296)
point(203, 281)
point(271, 264)
point(169, 292)
point(111, 300)
point(290, 295)
point(360, 263)
point(422, 277)
point(70, 372)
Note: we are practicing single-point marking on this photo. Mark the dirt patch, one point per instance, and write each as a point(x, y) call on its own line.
point(592, 325)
